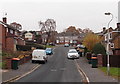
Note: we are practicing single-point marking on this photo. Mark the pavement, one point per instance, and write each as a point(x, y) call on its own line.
point(94, 74)
point(9, 75)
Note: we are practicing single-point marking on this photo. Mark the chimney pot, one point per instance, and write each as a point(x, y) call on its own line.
point(104, 28)
point(4, 19)
point(118, 25)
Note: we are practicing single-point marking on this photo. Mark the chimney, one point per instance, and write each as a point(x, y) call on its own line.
point(104, 28)
point(4, 19)
point(118, 25)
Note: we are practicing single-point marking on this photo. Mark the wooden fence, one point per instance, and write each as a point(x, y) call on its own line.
point(114, 61)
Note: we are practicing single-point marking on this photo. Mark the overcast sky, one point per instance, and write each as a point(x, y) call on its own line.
point(78, 13)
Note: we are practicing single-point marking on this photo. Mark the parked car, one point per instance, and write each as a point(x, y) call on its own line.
point(66, 45)
point(49, 51)
point(52, 44)
point(39, 55)
point(73, 54)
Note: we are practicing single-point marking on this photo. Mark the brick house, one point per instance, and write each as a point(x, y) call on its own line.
point(51, 38)
point(0, 39)
point(69, 37)
point(114, 46)
point(38, 37)
point(62, 38)
point(11, 36)
point(29, 36)
point(114, 39)
point(115, 42)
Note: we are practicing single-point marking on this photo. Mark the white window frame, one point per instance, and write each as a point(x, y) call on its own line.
point(112, 45)
point(7, 30)
point(11, 31)
point(16, 33)
point(106, 37)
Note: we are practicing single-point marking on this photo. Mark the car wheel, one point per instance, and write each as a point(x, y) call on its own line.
point(44, 62)
point(68, 58)
point(78, 58)
point(33, 61)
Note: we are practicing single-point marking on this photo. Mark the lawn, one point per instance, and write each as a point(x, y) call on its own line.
point(0, 64)
point(48, 46)
point(115, 72)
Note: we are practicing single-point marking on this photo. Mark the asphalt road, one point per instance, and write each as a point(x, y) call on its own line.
point(57, 69)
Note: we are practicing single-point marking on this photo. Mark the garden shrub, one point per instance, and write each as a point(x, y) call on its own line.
point(99, 49)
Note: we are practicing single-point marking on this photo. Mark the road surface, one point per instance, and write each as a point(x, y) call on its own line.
point(57, 69)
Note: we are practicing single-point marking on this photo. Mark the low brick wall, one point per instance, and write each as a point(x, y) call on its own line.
point(100, 60)
point(23, 59)
point(8, 63)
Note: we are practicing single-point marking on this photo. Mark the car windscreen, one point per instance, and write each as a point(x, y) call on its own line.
point(72, 51)
point(48, 49)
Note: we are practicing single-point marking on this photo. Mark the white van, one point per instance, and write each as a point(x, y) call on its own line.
point(39, 55)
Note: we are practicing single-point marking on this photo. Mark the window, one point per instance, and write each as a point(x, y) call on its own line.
point(11, 31)
point(6, 29)
point(112, 45)
point(16, 33)
point(72, 51)
point(110, 35)
point(106, 36)
point(15, 41)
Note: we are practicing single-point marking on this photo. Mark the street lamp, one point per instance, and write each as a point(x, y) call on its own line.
point(108, 42)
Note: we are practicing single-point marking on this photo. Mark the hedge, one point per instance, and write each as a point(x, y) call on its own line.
point(28, 47)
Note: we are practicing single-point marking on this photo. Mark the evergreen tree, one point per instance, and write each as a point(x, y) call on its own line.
point(99, 49)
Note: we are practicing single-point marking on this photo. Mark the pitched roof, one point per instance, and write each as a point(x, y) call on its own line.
point(9, 26)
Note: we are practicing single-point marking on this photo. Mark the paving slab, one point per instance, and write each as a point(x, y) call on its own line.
point(24, 68)
point(94, 74)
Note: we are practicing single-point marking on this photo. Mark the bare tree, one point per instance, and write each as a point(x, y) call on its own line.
point(48, 27)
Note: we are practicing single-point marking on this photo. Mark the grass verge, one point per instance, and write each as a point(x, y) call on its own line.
point(48, 46)
point(0, 64)
point(114, 72)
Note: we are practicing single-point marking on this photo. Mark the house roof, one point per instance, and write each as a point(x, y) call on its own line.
point(67, 34)
point(29, 33)
point(9, 26)
point(117, 29)
point(110, 30)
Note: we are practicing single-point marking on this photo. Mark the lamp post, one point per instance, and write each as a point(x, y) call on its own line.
point(108, 42)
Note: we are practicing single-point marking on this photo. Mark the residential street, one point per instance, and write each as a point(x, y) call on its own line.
point(57, 69)
point(76, 41)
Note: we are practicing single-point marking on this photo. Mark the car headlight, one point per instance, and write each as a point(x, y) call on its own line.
point(68, 54)
point(77, 55)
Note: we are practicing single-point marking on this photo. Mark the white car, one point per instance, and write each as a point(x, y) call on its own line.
point(66, 45)
point(73, 54)
point(39, 55)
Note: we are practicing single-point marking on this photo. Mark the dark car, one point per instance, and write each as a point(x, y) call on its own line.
point(52, 44)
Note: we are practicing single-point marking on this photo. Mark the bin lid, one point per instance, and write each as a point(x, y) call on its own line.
point(15, 59)
point(93, 57)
